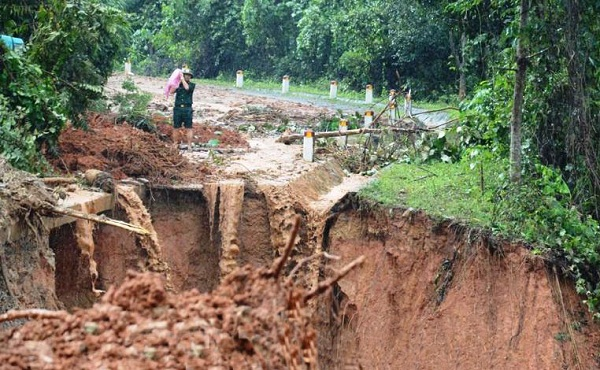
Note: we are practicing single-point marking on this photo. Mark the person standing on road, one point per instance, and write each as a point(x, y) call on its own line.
point(182, 110)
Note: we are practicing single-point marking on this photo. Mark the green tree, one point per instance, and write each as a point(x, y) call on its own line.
point(67, 60)
point(77, 44)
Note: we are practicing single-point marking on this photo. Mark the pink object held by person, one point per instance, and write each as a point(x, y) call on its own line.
point(173, 82)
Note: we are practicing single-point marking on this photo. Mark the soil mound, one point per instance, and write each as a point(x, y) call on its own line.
point(19, 193)
point(124, 151)
point(251, 319)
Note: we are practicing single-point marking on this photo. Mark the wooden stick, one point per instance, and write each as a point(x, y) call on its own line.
point(289, 138)
point(308, 259)
point(95, 218)
point(276, 270)
point(435, 110)
point(33, 313)
point(58, 180)
point(323, 286)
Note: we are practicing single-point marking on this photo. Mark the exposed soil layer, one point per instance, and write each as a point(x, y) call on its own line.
point(252, 319)
point(438, 295)
point(73, 279)
point(27, 265)
point(430, 294)
point(181, 220)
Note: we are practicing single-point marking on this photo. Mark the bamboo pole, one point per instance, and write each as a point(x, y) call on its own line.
point(96, 218)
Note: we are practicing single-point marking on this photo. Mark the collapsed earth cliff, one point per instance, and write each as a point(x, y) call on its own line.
point(430, 294)
point(198, 289)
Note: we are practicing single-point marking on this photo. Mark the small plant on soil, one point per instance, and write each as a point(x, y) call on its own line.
point(132, 107)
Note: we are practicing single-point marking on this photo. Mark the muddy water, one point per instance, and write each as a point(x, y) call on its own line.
point(226, 199)
point(84, 235)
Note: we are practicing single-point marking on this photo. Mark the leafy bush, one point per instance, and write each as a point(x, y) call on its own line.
point(77, 45)
point(541, 211)
point(32, 116)
point(132, 107)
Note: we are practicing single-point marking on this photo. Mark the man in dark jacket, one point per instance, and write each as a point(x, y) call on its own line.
point(182, 110)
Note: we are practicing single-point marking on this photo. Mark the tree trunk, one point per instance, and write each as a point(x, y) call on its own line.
point(582, 123)
point(459, 58)
point(462, 79)
point(517, 109)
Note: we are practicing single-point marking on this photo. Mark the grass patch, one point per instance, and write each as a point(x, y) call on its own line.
point(441, 189)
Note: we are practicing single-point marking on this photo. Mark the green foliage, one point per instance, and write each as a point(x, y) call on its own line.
point(77, 44)
point(352, 41)
point(441, 189)
point(542, 212)
point(68, 59)
point(17, 18)
point(132, 107)
point(486, 117)
point(31, 113)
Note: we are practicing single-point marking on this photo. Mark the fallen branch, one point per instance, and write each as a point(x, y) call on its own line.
point(276, 270)
point(444, 124)
point(95, 218)
point(289, 138)
point(434, 110)
point(308, 259)
point(324, 285)
point(33, 313)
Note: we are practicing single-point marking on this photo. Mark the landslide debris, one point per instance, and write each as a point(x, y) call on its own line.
point(20, 192)
point(123, 151)
point(249, 319)
point(253, 319)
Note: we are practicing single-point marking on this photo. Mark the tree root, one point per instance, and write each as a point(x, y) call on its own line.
point(32, 314)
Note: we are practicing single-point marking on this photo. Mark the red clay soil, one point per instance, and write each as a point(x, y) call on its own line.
point(251, 319)
point(125, 151)
point(437, 295)
point(204, 133)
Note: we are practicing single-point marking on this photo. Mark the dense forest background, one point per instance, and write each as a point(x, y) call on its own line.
point(526, 75)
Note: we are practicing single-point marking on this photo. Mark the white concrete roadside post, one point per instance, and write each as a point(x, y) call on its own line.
point(285, 84)
point(309, 145)
point(333, 89)
point(368, 119)
point(343, 127)
point(239, 81)
point(369, 94)
point(128, 67)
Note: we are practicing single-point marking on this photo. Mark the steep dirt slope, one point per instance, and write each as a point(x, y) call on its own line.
point(435, 295)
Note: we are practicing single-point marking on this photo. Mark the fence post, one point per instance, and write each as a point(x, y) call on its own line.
point(308, 145)
point(333, 89)
point(368, 119)
point(128, 67)
point(285, 84)
point(239, 81)
point(392, 113)
point(343, 127)
point(369, 94)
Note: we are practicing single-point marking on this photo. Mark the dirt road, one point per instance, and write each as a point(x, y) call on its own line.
point(257, 117)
